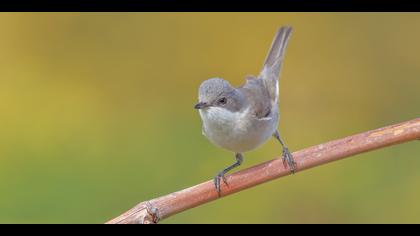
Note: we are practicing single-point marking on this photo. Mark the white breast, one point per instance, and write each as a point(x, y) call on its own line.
point(237, 131)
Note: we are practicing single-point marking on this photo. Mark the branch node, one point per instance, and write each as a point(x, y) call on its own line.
point(152, 214)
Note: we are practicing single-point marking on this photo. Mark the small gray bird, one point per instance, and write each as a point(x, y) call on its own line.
point(241, 119)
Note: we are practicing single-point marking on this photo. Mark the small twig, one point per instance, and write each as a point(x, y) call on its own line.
point(160, 208)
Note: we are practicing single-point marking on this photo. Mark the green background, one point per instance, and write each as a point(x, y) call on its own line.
point(96, 113)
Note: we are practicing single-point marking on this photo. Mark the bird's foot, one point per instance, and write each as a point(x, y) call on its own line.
point(220, 176)
point(288, 160)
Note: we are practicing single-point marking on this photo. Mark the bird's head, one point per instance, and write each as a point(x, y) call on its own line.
point(217, 92)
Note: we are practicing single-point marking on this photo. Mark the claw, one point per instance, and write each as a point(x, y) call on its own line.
point(222, 173)
point(224, 179)
point(288, 161)
point(217, 184)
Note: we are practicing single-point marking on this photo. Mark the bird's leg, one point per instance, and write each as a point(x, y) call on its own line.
point(221, 175)
point(287, 157)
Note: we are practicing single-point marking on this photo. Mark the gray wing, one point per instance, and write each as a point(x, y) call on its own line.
point(272, 65)
point(257, 96)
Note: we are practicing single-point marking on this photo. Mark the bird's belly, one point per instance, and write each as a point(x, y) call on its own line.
point(237, 132)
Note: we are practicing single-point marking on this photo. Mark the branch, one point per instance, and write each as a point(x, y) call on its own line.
point(160, 208)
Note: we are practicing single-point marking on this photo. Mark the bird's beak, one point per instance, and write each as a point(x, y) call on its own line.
point(200, 105)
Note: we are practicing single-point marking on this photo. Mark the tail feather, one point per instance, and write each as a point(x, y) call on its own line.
point(272, 64)
point(278, 47)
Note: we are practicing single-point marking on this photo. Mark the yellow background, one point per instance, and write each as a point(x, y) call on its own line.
point(96, 113)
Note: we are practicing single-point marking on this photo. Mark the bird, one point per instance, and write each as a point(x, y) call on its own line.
point(241, 119)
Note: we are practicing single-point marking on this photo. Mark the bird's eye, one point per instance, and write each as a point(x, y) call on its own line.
point(222, 101)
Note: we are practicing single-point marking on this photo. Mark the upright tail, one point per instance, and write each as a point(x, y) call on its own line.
point(272, 64)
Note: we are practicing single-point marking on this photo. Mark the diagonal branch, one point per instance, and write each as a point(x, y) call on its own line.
point(160, 208)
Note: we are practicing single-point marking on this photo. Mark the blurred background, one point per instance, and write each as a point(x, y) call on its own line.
point(96, 113)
